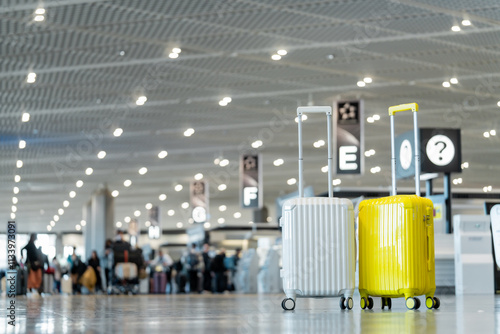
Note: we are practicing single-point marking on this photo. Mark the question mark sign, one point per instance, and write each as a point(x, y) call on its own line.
point(442, 149)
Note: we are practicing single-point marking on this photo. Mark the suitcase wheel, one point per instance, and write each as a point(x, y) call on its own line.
point(412, 303)
point(288, 304)
point(363, 303)
point(370, 303)
point(346, 303)
point(386, 301)
point(432, 302)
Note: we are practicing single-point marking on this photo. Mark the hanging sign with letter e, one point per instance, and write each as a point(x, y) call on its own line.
point(251, 181)
point(349, 141)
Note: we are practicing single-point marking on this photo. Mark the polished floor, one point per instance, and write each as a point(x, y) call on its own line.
point(244, 314)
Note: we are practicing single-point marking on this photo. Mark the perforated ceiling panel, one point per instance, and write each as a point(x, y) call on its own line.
point(93, 59)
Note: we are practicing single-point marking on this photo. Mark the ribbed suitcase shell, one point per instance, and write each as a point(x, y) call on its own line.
point(396, 247)
point(318, 247)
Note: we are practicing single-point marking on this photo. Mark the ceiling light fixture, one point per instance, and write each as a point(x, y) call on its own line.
point(486, 134)
point(282, 52)
point(493, 132)
point(17, 178)
point(376, 117)
point(162, 154)
point(137, 213)
point(189, 132)
point(173, 55)
point(143, 171)
point(31, 78)
point(60, 212)
point(222, 187)
point(127, 183)
point(206, 225)
point(466, 22)
point(15, 190)
point(257, 144)
point(221, 220)
point(26, 117)
point(304, 118)
point(446, 84)
point(101, 154)
point(22, 144)
point(118, 132)
point(237, 215)
point(178, 187)
point(176, 50)
point(49, 228)
point(162, 197)
point(79, 183)
point(198, 176)
point(454, 81)
point(115, 193)
point(185, 205)
point(141, 100)
point(324, 169)
point(179, 225)
point(336, 182)
point(89, 171)
point(224, 163)
point(127, 219)
point(361, 84)
point(275, 57)
point(222, 208)
point(12, 215)
point(148, 206)
point(455, 28)
point(72, 194)
point(66, 204)
point(52, 223)
point(56, 218)
point(19, 164)
point(367, 80)
point(370, 120)
point(291, 181)
point(278, 162)
point(78, 227)
point(14, 200)
point(171, 212)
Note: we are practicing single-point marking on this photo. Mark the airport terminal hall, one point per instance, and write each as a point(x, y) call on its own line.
point(250, 166)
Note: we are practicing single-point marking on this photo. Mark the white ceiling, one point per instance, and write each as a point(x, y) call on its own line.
point(94, 58)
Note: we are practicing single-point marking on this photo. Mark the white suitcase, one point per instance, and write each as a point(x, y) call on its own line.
point(319, 248)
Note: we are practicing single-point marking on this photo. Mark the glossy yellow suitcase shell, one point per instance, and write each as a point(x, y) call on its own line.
point(396, 247)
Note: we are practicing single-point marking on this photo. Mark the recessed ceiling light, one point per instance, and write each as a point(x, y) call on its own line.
point(178, 187)
point(368, 80)
point(89, 171)
point(31, 78)
point(237, 215)
point(121, 53)
point(227, 99)
point(162, 154)
point(25, 118)
point(118, 132)
point(446, 84)
point(52, 223)
point(49, 228)
point(79, 183)
point(15, 190)
point(465, 165)
point(282, 52)
point(60, 212)
point(78, 227)
point(127, 219)
point(222, 187)
point(498, 103)
point(173, 55)
point(375, 169)
point(189, 132)
point(466, 22)
point(118, 224)
point(370, 120)
point(185, 205)
point(222, 103)
point(148, 206)
point(137, 213)
point(12, 215)
point(143, 170)
point(493, 132)
point(319, 143)
point(19, 163)
point(171, 212)
point(179, 225)
point(206, 225)
point(221, 220)
point(14, 200)
point(127, 183)
point(176, 50)
point(115, 193)
point(278, 162)
point(336, 182)
point(291, 181)
point(224, 163)
point(141, 100)
point(56, 218)
point(275, 57)
point(22, 144)
point(101, 154)
point(162, 197)
point(40, 11)
point(72, 194)
point(455, 28)
point(361, 84)
point(66, 204)
point(304, 118)
point(376, 117)
point(454, 81)
point(83, 222)
point(324, 169)
point(198, 176)
point(257, 144)
point(222, 208)
point(486, 134)
point(17, 178)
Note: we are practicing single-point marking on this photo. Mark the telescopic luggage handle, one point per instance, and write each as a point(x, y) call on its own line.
point(392, 110)
point(317, 109)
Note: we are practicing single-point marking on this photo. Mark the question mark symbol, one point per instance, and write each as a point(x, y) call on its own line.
point(442, 149)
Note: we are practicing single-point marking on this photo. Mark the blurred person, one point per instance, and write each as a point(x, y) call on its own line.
point(107, 261)
point(71, 258)
point(35, 265)
point(96, 265)
point(193, 264)
point(120, 245)
point(207, 277)
point(162, 265)
point(57, 275)
point(218, 270)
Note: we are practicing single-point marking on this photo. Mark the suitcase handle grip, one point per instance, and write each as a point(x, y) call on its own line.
point(315, 109)
point(392, 110)
point(403, 107)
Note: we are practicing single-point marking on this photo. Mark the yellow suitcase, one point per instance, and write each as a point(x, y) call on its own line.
point(396, 241)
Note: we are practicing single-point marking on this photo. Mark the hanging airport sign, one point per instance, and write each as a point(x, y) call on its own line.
point(442, 151)
point(251, 195)
point(349, 139)
point(154, 230)
point(199, 201)
point(405, 162)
